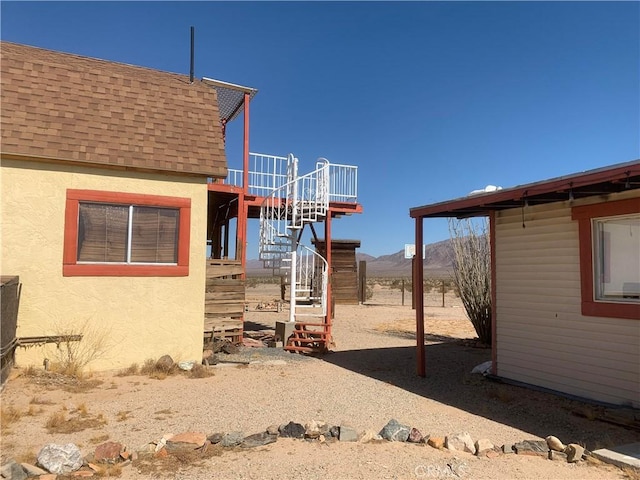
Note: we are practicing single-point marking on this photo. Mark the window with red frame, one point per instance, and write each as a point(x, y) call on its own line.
point(609, 236)
point(108, 233)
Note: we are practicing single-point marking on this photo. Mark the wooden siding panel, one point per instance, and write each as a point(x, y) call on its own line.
point(542, 337)
point(224, 298)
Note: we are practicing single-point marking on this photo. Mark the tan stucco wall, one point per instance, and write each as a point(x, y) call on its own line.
point(145, 317)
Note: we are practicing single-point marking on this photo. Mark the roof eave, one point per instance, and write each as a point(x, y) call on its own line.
point(546, 191)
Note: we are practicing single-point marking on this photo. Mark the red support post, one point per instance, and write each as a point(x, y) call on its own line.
point(418, 288)
point(245, 150)
point(243, 213)
point(327, 249)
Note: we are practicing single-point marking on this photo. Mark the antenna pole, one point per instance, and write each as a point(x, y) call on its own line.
point(192, 55)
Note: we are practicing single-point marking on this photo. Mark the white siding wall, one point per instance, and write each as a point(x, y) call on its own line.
point(542, 337)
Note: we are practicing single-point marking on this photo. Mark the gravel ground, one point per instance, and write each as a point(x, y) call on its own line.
point(368, 379)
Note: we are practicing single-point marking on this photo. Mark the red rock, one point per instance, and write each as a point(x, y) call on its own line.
point(195, 438)
point(82, 473)
point(108, 452)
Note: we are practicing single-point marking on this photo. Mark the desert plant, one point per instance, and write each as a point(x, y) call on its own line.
point(80, 344)
point(132, 369)
point(472, 272)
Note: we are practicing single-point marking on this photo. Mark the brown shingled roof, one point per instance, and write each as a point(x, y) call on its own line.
point(60, 106)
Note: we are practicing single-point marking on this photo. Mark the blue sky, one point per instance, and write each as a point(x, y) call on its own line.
point(430, 100)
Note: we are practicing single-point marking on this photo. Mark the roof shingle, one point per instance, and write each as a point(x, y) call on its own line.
point(67, 107)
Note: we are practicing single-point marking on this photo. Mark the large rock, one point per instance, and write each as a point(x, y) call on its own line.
point(108, 452)
point(483, 446)
point(60, 459)
point(460, 442)
point(258, 439)
point(32, 470)
point(315, 428)
point(415, 436)
point(13, 471)
point(292, 430)
point(165, 363)
point(574, 452)
point(232, 439)
point(191, 439)
point(555, 444)
point(348, 434)
point(536, 448)
point(395, 431)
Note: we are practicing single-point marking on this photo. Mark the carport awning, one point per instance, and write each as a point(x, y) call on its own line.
point(606, 180)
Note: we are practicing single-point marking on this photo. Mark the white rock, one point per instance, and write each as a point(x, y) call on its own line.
point(461, 442)
point(555, 444)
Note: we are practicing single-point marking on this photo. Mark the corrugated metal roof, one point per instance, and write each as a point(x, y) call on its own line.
point(610, 179)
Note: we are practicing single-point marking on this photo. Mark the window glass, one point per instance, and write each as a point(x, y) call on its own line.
point(154, 238)
point(127, 234)
point(617, 258)
point(102, 232)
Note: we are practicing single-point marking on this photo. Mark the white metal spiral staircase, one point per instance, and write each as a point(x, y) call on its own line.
point(300, 201)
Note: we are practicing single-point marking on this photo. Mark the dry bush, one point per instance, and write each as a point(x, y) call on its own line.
point(72, 355)
point(59, 423)
point(472, 272)
point(200, 371)
point(108, 470)
point(9, 415)
point(132, 369)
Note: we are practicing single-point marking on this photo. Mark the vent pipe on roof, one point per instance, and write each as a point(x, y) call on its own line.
point(192, 51)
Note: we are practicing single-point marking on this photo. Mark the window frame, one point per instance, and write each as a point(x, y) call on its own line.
point(585, 215)
point(70, 265)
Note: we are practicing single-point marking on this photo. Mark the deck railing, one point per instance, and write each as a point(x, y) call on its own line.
point(268, 173)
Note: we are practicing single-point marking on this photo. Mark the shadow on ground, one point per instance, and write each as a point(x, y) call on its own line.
point(449, 381)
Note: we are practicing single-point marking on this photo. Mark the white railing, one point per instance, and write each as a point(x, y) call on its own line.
point(311, 282)
point(343, 183)
point(268, 173)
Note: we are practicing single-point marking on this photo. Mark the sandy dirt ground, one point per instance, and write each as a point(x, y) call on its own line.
point(367, 379)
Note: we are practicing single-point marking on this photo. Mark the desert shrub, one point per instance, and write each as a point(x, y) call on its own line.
point(158, 370)
point(79, 345)
point(132, 369)
point(80, 420)
point(472, 272)
point(200, 371)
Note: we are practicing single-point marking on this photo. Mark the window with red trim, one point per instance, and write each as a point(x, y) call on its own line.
point(124, 234)
point(609, 235)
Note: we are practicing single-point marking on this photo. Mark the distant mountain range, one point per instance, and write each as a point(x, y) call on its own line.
point(437, 263)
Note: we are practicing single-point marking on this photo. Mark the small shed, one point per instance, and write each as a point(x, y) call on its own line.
point(344, 275)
